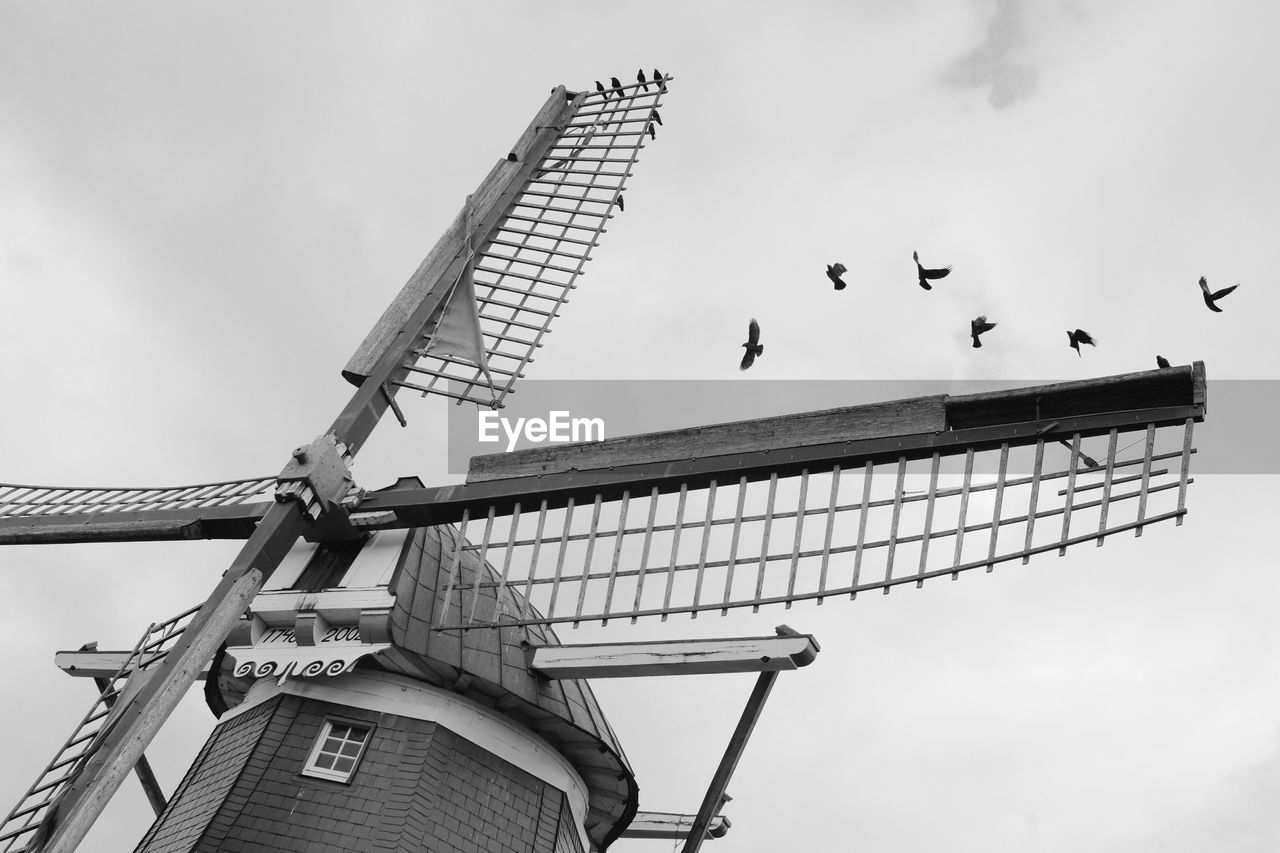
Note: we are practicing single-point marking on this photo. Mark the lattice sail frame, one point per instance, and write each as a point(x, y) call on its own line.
point(524, 272)
point(795, 521)
point(20, 827)
point(44, 501)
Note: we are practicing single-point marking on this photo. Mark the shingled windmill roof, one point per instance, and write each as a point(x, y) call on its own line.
point(491, 665)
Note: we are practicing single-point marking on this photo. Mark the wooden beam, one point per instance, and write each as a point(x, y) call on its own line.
point(674, 657)
point(491, 200)
point(1148, 389)
point(94, 664)
point(146, 776)
point(225, 522)
point(714, 799)
point(918, 416)
point(877, 420)
point(670, 826)
point(415, 507)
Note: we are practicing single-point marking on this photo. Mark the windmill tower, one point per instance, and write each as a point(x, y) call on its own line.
point(384, 664)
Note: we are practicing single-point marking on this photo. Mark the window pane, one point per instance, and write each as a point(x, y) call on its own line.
point(324, 762)
point(344, 765)
point(351, 748)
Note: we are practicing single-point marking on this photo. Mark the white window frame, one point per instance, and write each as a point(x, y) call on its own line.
point(311, 768)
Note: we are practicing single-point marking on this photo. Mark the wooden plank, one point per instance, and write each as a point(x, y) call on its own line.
point(1146, 477)
point(95, 664)
point(964, 510)
point(229, 522)
point(1106, 487)
point(893, 522)
point(500, 186)
point(928, 517)
point(996, 506)
point(445, 504)
point(1071, 492)
point(668, 825)
point(146, 776)
point(1186, 466)
point(714, 798)
point(1036, 470)
point(799, 534)
point(878, 420)
point(674, 657)
point(1147, 389)
point(831, 524)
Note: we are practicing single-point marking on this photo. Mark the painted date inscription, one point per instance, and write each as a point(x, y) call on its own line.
point(286, 636)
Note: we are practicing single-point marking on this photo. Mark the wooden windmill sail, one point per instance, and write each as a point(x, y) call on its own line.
point(758, 513)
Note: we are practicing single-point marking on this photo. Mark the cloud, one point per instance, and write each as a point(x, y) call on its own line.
point(992, 65)
point(1237, 819)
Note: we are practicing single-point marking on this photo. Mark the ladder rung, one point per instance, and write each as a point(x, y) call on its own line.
point(29, 809)
point(64, 762)
point(31, 827)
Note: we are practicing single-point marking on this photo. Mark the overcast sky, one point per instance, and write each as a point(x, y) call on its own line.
point(202, 210)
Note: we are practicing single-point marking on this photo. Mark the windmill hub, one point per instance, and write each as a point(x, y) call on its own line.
point(318, 476)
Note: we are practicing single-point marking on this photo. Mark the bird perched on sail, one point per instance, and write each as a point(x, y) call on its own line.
point(1078, 337)
point(1211, 298)
point(621, 205)
point(617, 85)
point(753, 346)
point(640, 79)
point(652, 133)
point(927, 275)
point(834, 271)
point(653, 114)
point(600, 89)
point(977, 327)
point(660, 80)
point(1162, 362)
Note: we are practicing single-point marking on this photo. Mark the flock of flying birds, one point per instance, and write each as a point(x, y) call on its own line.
point(978, 326)
point(924, 275)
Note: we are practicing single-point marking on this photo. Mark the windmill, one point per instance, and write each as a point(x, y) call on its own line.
point(384, 664)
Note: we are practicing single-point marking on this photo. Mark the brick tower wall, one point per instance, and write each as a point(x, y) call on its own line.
point(418, 786)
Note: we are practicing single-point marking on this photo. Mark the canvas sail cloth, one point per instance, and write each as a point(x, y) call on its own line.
point(457, 332)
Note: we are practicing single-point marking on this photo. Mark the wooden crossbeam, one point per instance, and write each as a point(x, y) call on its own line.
point(215, 522)
point(87, 663)
point(674, 657)
point(669, 825)
point(146, 776)
point(715, 796)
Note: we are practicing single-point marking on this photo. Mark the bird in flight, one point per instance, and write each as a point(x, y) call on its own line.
point(927, 275)
point(1162, 362)
point(1078, 337)
point(834, 271)
point(641, 80)
point(1211, 298)
point(753, 346)
point(978, 327)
